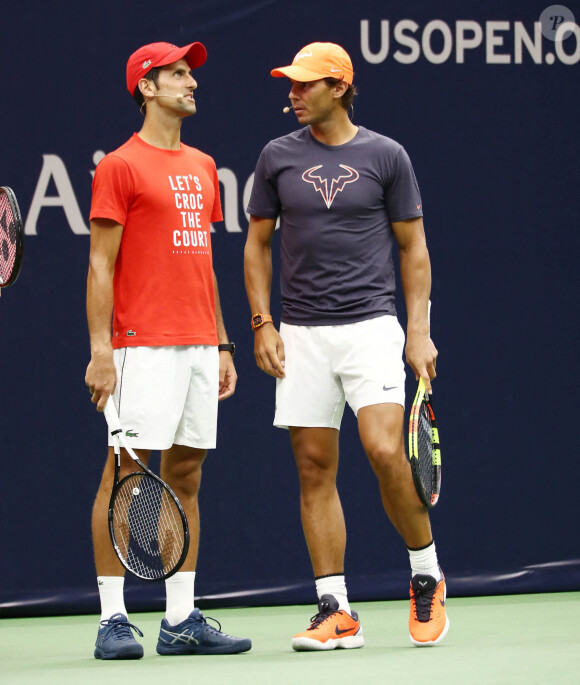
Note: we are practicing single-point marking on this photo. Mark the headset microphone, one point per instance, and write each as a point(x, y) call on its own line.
point(179, 97)
point(286, 110)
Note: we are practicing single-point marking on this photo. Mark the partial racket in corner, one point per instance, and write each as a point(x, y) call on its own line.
point(11, 241)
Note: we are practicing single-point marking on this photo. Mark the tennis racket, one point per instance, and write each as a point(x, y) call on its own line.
point(10, 237)
point(147, 524)
point(424, 449)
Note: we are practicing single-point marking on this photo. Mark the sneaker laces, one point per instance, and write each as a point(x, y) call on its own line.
point(203, 619)
point(325, 611)
point(121, 629)
point(423, 598)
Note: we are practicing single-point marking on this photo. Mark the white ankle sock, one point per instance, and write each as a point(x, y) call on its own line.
point(179, 593)
point(424, 562)
point(336, 586)
point(111, 595)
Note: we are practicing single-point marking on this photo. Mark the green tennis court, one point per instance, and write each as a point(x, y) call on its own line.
point(508, 639)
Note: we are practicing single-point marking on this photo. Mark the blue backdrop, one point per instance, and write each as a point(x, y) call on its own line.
point(486, 102)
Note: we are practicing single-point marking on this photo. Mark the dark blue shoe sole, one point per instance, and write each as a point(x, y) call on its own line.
point(235, 648)
point(131, 652)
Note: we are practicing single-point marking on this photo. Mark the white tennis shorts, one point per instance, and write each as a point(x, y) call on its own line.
point(168, 395)
point(360, 363)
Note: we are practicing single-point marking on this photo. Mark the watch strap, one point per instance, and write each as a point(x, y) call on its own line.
point(259, 320)
point(227, 347)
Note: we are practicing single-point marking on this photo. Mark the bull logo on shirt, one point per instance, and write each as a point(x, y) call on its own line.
point(337, 185)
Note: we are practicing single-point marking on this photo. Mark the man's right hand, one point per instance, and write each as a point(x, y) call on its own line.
point(101, 378)
point(269, 350)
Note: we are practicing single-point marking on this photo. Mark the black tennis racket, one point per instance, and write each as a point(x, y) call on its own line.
point(424, 448)
point(10, 237)
point(147, 524)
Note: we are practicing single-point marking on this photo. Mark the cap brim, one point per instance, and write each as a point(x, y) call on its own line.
point(194, 54)
point(297, 73)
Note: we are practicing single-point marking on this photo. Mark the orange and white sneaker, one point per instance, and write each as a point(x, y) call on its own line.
point(330, 629)
point(428, 622)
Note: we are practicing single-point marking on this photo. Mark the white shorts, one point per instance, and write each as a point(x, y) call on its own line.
point(168, 395)
point(326, 365)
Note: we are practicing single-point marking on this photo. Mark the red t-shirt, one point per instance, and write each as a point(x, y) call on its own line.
point(165, 201)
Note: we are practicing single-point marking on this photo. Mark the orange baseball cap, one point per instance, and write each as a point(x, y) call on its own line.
point(158, 55)
point(317, 61)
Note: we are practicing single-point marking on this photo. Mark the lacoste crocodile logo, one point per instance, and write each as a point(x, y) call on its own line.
point(337, 185)
point(131, 433)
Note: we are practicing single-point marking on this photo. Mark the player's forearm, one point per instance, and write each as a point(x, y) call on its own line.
point(219, 319)
point(416, 281)
point(258, 276)
point(99, 309)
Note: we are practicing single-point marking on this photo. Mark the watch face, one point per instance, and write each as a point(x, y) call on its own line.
point(257, 320)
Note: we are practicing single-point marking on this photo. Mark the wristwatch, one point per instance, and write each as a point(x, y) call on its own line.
point(260, 319)
point(228, 347)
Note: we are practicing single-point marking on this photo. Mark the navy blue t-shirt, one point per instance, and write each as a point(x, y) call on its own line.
point(336, 204)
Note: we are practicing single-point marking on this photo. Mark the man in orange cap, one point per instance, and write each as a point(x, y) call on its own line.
point(151, 275)
point(344, 195)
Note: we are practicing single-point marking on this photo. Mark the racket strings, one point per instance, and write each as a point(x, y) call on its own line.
point(147, 526)
point(425, 451)
point(7, 239)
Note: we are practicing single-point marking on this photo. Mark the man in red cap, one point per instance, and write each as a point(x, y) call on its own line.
point(167, 361)
point(344, 195)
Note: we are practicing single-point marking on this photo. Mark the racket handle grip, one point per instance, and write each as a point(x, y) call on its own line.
point(111, 416)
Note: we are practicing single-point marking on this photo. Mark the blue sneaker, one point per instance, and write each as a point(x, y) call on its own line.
point(115, 639)
point(196, 636)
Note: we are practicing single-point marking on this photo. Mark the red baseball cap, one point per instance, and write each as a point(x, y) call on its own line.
point(316, 61)
point(158, 55)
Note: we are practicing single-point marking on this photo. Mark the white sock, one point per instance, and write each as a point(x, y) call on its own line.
point(111, 595)
point(179, 593)
point(424, 562)
point(336, 586)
